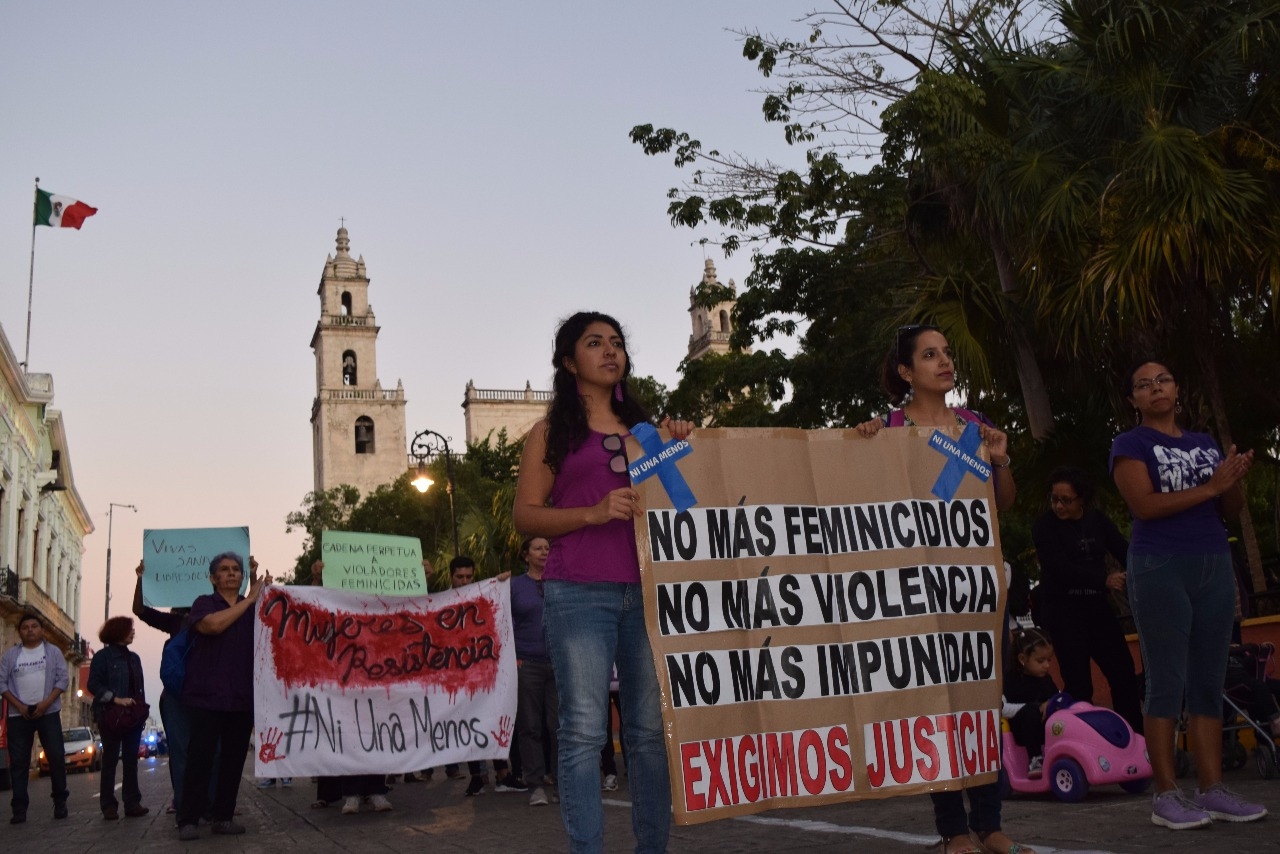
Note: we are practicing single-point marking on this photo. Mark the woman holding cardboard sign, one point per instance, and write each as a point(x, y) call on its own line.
point(918, 373)
point(574, 491)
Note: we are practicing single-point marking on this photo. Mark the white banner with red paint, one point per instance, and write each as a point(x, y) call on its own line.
point(348, 683)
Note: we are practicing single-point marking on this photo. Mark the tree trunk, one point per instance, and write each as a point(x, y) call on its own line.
point(1035, 397)
point(1218, 406)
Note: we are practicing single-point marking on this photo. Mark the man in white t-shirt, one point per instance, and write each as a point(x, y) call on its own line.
point(33, 675)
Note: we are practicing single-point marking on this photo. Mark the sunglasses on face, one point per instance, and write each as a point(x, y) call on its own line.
point(614, 444)
point(1063, 500)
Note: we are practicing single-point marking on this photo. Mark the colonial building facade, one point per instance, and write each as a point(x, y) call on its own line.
point(357, 426)
point(43, 521)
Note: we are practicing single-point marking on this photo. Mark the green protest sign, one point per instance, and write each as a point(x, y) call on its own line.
point(373, 563)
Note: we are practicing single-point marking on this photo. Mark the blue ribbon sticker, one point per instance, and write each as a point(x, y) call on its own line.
point(963, 460)
point(661, 460)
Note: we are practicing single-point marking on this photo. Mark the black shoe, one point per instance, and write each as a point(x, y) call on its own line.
point(59, 809)
point(136, 811)
point(228, 828)
point(509, 783)
point(19, 817)
point(110, 814)
point(412, 778)
point(476, 786)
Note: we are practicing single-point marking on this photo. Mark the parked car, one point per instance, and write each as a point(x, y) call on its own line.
point(1084, 745)
point(83, 749)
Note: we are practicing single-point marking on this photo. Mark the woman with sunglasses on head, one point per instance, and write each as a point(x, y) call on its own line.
point(1072, 542)
point(574, 491)
point(918, 373)
point(1179, 485)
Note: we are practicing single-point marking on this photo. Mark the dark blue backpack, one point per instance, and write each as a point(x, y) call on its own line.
point(173, 661)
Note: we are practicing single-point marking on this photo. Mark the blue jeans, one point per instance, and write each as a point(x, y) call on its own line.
point(1183, 606)
point(177, 731)
point(22, 738)
point(589, 627)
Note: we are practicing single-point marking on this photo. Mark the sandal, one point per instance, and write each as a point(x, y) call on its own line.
point(1004, 845)
point(965, 841)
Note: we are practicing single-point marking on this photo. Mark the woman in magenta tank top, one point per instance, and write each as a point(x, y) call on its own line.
point(574, 490)
point(918, 374)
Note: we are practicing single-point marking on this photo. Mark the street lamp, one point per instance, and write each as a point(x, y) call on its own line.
point(425, 445)
point(106, 606)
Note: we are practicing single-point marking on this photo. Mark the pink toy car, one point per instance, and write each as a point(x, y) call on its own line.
point(1084, 745)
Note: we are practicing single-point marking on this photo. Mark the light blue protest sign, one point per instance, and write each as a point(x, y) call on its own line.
point(176, 562)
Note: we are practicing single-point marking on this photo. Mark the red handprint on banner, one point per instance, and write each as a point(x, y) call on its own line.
point(505, 728)
point(270, 741)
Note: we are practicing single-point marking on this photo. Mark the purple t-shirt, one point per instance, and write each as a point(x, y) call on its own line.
point(1174, 464)
point(526, 619)
point(220, 667)
point(595, 552)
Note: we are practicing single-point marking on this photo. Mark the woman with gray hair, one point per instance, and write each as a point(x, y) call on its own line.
point(218, 693)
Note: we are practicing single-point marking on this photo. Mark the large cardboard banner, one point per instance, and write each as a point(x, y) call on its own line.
point(373, 563)
point(176, 562)
point(826, 620)
point(346, 683)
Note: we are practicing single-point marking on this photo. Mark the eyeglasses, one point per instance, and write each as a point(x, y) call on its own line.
point(1063, 500)
point(613, 444)
point(1147, 385)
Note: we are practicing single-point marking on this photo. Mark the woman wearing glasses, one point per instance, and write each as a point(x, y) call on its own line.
point(918, 373)
point(574, 491)
point(1072, 542)
point(1179, 485)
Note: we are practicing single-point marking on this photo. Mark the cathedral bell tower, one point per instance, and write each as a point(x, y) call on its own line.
point(711, 326)
point(357, 427)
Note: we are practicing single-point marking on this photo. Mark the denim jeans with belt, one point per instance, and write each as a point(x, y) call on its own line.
point(590, 626)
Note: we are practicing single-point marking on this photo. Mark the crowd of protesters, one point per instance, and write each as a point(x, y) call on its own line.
point(582, 646)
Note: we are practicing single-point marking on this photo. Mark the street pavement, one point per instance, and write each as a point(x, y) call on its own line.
point(436, 817)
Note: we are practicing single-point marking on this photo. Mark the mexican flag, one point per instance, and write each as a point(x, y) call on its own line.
point(61, 211)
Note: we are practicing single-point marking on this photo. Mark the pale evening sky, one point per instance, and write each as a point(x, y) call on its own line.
point(478, 151)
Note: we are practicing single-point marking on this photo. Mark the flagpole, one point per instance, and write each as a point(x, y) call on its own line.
point(31, 276)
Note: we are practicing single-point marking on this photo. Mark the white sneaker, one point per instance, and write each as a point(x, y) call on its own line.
point(610, 783)
point(1036, 767)
point(351, 805)
point(380, 803)
point(538, 798)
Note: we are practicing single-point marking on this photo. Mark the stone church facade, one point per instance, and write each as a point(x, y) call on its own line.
point(358, 427)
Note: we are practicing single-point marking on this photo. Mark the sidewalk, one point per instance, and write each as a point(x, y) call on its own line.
point(435, 817)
